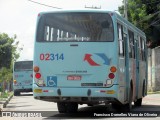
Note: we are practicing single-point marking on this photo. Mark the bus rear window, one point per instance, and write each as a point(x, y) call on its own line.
point(76, 27)
point(23, 65)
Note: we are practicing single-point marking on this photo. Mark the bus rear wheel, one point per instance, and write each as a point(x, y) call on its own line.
point(67, 107)
point(116, 106)
point(61, 107)
point(72, 107)
point(138, 102)
point(16, 93)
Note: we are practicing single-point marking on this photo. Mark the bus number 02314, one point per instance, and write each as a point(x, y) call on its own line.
point(51, 56)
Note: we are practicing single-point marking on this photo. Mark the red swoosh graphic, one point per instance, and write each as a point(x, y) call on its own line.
point(89, 60)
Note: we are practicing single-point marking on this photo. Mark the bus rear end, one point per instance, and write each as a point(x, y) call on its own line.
point(75, 59)
point(22, 77)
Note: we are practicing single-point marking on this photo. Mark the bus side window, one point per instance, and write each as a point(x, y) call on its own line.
point(143, 50)
point(120, 39)
point(139, 48)
point(131, 44)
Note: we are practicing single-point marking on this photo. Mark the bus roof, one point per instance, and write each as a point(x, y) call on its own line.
point(98, 10)
point(78, 10)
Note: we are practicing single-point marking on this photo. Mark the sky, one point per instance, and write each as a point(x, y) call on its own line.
point(19, 17)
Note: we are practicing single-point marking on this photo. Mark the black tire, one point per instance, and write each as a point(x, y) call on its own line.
point(116, 106)
point(138, 102)
point(61, 107)
point(143, 89)
point(16, 93)
point(90, 104)
point(72, 107)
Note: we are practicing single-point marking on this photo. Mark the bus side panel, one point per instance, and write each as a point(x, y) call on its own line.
point(122, 80)
point(132, 69)
point(142, 77)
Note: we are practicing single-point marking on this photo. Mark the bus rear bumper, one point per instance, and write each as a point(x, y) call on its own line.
point(80, 100)
point(80, 95)
point(23, 90)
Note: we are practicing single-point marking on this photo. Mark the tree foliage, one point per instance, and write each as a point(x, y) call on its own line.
point(5, 74)
point(145, 14)
point(8, 54)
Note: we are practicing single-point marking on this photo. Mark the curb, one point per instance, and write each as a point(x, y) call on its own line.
point(4, 104)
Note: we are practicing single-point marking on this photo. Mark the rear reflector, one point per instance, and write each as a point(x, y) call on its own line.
point(38, 90)
point(106, 91)
point(110, 91)
point(102, 90)
point(45, 90)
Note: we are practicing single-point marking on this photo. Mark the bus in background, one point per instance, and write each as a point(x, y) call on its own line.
point(89, 57)
point(22, 77)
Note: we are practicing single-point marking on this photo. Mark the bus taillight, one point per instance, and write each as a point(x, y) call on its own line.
point(38, 75)
point(113, 69)
point(36, 69)
point(14, 81)
point(111, 75)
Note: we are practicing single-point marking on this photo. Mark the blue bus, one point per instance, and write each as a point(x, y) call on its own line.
point(89, 57)
point(22, 77)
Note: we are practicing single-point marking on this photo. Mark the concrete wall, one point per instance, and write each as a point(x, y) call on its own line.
point(154, 69)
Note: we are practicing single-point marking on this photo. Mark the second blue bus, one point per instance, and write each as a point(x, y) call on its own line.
point(22, 77)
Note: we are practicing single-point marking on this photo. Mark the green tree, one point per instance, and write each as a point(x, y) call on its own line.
point(8, 53)
point(8, 50)
point(5, 77)
point(145, 14)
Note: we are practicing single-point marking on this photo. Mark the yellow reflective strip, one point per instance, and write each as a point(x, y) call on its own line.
point(110, 92)
point(38, 90)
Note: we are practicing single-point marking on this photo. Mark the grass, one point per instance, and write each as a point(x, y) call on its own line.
point(156, 92)
point(5, 95)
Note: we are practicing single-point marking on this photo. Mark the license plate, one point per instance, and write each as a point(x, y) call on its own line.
point(74, 77)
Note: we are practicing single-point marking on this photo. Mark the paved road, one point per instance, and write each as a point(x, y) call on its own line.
point(26, 102)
